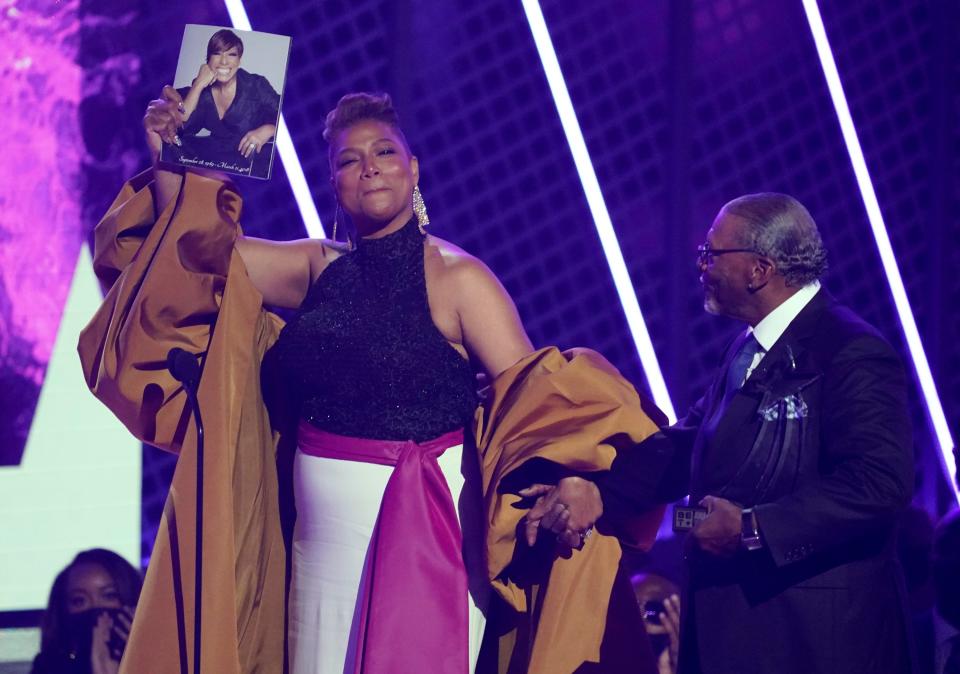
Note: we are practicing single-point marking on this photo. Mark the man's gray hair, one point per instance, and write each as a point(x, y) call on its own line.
point(779, 227)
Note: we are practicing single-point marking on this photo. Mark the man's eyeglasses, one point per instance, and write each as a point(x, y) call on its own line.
point(705, 253)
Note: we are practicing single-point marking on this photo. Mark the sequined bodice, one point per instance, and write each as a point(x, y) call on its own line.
point(363, 354)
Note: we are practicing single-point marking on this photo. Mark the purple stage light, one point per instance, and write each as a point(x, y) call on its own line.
point(927, 385)
point(288, 153)
point(598, 208)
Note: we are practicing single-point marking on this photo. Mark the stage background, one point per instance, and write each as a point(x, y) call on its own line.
point(684, 104)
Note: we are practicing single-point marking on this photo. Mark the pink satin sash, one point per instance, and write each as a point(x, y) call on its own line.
point(413, 607)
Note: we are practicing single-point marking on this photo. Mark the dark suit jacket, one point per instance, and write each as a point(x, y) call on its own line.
point(818, 441)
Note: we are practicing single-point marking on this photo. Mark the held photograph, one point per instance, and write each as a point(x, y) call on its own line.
point(231, 82)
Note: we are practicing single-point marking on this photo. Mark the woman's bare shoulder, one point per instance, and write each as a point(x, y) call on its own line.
point(453, 260)
point(322, 252)
point(464, 276)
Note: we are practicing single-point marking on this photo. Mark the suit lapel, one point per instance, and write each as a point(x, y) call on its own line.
point(785, 368)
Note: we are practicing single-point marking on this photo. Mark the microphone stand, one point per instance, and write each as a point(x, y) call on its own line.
point(184, 367)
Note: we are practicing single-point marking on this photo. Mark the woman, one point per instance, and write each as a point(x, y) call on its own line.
point(378, 351)
point(88, 616)
point(238, 108)
point(384, 553)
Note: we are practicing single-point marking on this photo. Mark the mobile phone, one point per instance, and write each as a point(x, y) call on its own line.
point(652, 608)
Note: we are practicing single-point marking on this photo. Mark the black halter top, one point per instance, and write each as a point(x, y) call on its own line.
point(363, 355)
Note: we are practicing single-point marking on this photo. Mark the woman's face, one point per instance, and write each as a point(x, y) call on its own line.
point(225, 64)
point(90, 586)
point(374, 175)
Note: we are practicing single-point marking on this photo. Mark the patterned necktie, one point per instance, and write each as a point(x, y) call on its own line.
point(735, 374)
point(740, 364)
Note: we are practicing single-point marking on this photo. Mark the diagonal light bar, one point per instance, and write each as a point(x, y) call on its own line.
point(288, 153)
point(927, 385)
point(598, 208)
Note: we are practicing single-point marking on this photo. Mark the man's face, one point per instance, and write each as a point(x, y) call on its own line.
point(725, 277)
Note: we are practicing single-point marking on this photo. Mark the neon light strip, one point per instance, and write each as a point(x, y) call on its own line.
point(598, 208)
point(935, 410)
point(288, 153)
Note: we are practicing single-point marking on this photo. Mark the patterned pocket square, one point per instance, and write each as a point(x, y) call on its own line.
point(791, 406)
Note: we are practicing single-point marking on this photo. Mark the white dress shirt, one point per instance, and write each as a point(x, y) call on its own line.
point(774, 324)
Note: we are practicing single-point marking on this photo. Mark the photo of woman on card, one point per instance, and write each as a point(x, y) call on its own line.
point(230, 114)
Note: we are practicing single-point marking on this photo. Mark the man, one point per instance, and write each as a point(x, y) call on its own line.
point(800, 451)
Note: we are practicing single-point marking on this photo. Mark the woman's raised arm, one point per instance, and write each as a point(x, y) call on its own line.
point(283, 271)
point(161, 122)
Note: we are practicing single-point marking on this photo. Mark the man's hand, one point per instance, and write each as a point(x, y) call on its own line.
point(719, 532)
point(570, 509)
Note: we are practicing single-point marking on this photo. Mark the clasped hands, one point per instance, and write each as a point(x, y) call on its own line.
point(569, 509)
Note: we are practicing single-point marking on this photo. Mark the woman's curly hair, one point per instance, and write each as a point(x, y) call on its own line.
point(360, 107)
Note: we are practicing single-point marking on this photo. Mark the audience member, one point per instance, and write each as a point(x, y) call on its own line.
point(659, 600)
point(88, 617)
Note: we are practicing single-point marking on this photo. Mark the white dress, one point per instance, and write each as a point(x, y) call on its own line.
point(337, 506)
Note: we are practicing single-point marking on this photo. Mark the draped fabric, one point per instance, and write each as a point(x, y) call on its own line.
point(551, 409)
point(175, 281)
point(415, 593)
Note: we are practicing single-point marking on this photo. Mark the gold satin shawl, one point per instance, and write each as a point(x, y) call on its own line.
point(176, 280)
point(572, 409)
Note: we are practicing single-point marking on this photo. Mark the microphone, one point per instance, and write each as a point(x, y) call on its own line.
point(184, 367)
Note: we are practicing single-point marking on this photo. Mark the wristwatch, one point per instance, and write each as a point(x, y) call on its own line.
point(750, 530)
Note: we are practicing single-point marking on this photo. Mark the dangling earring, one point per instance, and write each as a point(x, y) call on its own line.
point(336, 221)
point(339, 214)
point(420, 210)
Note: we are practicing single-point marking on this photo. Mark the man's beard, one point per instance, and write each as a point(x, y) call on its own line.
point(710, 303)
